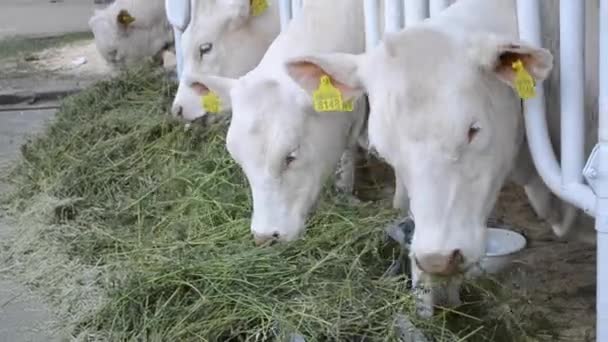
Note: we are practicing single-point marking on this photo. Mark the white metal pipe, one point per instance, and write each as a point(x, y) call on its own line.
point(285, 13)
point(372, 27)
point(572, 88)
point(580, 195)
point(178, 15)
point(603, 96)
point(296, 7)
point(602, 281)
point(393, 19)
point(436, 6)
point(179, 53)
point(601, 221)
point(415, 11)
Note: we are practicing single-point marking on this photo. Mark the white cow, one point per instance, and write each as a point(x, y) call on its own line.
point(129, 31)
point(224, 38)
point(445, 115)
point(285, 148)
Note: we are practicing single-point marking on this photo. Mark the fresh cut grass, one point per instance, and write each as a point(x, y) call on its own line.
point(138, 230)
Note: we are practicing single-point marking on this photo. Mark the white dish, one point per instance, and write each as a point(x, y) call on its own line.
point(501, 247)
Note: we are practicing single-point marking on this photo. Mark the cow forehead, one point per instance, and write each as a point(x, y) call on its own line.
point(427, 83)
point(206, 29)
point(210, 14)
point(262, 110)
point(425, 59)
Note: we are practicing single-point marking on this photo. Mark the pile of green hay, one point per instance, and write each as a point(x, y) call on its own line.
point(153, 221)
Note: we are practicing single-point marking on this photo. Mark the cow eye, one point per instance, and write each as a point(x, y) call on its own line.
point(473, 130)
point(290, 158)
point(205, 49)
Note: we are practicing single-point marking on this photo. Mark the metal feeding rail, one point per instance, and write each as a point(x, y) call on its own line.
point(584, 186)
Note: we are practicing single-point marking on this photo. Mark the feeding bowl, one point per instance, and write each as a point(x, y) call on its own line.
point(501, 247)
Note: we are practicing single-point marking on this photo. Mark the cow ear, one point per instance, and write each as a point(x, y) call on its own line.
point(221, 86)
point(500, 56)
point(342, 70)
point(124, 19)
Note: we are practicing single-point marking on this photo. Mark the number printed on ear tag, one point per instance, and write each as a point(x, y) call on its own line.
point(328, 98)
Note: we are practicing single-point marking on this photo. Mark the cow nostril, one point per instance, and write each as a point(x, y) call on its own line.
point(266, 240)
point(456, 258)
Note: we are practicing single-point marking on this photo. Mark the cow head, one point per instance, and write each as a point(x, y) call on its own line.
point(445, 115)
point(125, 39)
point(285, 148)
point(224, 38)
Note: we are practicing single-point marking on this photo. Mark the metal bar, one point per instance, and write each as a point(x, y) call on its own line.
point(572, 88)
point(436, 6)
point(285, 13)
point(601, 187)
point(601, 225)
point(415, 11)
point(393, 15)
point(296, 7)
point(580, 195)
point(603, 95)
point(372, 27)
point(178, 15)
point(179, 54)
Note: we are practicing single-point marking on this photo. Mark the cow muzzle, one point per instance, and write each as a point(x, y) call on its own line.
point(441, 264)
point(266, 240)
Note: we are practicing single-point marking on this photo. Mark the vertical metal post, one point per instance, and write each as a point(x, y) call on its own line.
point(572, 88)
point(601, 187)
point(603, 96)
point(393, 15)
point(372, 27)
point(179, 54)
point(415, 11)
point(285, 13)
point(296, 6)
point(178, 15)
point(436, 6)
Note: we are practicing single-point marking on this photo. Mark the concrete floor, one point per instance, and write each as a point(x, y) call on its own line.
point(23, 317)
point(44, 17)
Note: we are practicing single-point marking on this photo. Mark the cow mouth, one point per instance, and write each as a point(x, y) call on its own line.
point(202, 121)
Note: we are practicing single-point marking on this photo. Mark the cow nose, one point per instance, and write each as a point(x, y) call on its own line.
point(177, 111)
point(440, 264)
point(265, 239)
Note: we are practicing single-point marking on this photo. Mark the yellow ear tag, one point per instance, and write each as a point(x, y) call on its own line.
point(211, 103)
point(328, 98)
point(524, 83)
point(258, 7)
point(125, 18)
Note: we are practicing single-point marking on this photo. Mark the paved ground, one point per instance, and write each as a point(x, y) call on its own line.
point(23, 317)
point(44, 17)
